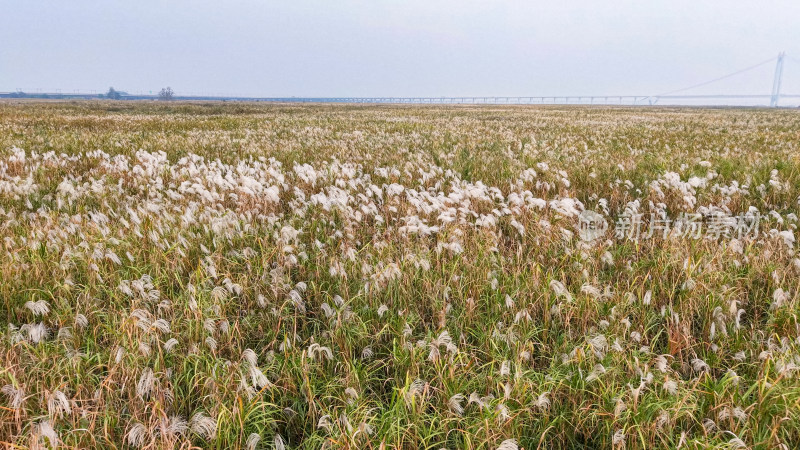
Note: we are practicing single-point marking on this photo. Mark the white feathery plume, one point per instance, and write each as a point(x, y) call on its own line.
point(454, 404)
point(38, 308)
point(203, 426)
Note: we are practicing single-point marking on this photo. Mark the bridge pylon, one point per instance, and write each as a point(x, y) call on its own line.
point(776, 81)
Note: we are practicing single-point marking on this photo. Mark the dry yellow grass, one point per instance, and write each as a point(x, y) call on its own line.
point(246, 275)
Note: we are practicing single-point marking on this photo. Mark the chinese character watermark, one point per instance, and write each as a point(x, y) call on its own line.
point(635, 227)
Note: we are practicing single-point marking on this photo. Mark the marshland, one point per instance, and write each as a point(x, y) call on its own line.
point(244, 275)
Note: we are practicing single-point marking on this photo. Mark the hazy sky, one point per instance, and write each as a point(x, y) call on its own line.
point(397, 48)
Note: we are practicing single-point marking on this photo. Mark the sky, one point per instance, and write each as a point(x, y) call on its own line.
point(397, 48)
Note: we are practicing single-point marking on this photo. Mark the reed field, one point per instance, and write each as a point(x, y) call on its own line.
point(242, 275)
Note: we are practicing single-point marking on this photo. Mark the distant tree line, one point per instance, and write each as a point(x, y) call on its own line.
point(165, 94)
point(113, 94)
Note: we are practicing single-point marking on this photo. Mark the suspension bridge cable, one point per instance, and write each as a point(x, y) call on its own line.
point(719, 78)
point(793, 59)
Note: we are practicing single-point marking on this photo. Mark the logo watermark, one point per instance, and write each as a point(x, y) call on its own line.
point(591, 225)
